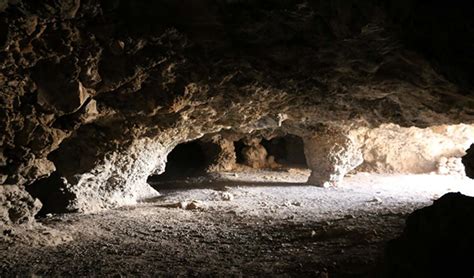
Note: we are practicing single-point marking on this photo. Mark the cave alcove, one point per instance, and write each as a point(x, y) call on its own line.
point(275, 153)
point(185, 160)
point(287, 150)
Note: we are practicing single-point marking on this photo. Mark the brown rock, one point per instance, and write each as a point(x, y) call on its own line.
point(254, 154)
point(17, 206)
point(107, 114)
point(330, 155)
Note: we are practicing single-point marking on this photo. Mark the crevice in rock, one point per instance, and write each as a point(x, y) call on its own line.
point(53, 194)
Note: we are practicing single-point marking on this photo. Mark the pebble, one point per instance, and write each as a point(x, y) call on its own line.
point(226, 196)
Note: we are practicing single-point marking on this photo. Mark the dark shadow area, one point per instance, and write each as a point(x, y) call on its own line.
point(287, 150)
point(50, 191)
point(239, 146)
point(188, 164)
point(185, 160)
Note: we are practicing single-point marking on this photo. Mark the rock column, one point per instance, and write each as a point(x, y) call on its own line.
point(330, 155)
point(224, 158)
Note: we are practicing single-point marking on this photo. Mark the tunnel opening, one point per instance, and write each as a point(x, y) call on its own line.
point(185, 160)
point(248, 160)
point(277, 153)
point(287, 151)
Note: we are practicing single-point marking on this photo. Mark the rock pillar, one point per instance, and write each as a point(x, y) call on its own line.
point(330, 155)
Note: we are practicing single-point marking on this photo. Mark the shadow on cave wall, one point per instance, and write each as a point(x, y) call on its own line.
point(185, 160)
point(288, 150)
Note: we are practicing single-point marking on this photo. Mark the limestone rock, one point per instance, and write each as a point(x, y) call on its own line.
point(450, 166)
point(222, 156)
point(57, 92)
point(394, 149)
point(120, 178)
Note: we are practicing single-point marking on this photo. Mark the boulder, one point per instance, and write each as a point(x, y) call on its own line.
point(437, 241)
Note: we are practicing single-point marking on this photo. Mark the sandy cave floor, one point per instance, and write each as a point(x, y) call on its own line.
point(227, 226)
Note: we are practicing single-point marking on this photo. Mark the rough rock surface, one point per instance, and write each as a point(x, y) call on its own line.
point(330, 155)
point(17, 206)
point(437, 241)
point(99, 92)
point(254, 154)
point(278, 229)
point(390, 148)
point(221, 154)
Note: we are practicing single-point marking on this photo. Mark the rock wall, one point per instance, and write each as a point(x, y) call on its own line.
point(222, 156)
point(17, 206)
point(98, 92)
point(394, 149)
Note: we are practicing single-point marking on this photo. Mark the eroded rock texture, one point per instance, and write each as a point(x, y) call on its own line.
point(17, 206)
point(390, 148)
point(99, 92)
point(221, 154)
point(330, 155)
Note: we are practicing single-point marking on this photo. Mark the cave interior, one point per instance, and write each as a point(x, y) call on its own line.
point(211, 138)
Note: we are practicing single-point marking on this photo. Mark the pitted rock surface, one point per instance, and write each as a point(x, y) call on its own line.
point(99, 92)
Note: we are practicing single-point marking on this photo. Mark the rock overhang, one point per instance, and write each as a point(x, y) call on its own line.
point(92, 89)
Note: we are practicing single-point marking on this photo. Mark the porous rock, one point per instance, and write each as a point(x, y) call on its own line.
point(254, 154)
point(221, 154)
point(103, 91)
point(17, 206)
point(330, 155)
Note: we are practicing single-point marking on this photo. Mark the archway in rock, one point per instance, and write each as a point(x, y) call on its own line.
point(97, 96)
point(287, 150)
point(275, 153)
point(185, 160)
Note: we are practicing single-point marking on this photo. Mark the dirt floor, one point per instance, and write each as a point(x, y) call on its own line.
point(228, 226)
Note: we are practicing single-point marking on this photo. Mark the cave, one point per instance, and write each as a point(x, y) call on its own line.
point(294, 138)
point(185, 160)
point(287, 150)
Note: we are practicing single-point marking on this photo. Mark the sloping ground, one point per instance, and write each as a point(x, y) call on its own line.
point(272, 226)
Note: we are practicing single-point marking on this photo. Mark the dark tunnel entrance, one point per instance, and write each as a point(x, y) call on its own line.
point(185, 160)
point(287, 150)
point(279, 152)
